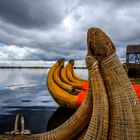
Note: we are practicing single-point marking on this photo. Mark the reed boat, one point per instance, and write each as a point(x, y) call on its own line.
point(110, 110)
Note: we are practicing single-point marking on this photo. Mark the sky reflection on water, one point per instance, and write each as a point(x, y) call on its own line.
point(25, 92)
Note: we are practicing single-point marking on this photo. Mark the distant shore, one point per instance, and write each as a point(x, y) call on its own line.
point(32, 67)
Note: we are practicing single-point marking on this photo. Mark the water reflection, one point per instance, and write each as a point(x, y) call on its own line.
point(25, 92)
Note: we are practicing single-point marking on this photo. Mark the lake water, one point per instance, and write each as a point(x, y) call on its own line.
point(24, 92)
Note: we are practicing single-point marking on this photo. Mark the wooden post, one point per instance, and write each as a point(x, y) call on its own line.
point(133, 58)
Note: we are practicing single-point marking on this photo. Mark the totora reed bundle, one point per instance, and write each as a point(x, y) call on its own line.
point(124, 107)
point(110, 110)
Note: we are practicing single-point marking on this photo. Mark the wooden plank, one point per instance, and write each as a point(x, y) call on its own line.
point(133, 66)
point(133, 49)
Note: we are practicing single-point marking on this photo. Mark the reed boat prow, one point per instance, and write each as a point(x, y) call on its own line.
point(110, 109)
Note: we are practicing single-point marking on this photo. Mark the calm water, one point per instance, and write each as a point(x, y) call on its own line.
point(24, 92)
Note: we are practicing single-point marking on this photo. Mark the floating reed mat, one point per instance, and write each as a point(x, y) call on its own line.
point(110, 110)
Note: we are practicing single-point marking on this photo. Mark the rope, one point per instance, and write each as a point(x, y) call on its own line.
point(23, 130)
point(16, 131)
point(22, 123)
point(91, 62)
point(108, 59)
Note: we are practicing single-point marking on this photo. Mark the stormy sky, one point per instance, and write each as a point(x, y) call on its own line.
point(50, 29)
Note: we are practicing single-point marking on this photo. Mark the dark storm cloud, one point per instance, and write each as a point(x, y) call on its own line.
point(50, 29)
point(123, 2)
point(108, 2)
point(30, 13)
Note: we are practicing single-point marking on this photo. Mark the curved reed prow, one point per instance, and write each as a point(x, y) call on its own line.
point(61, 61)
point(124, 107)
point(71, 61)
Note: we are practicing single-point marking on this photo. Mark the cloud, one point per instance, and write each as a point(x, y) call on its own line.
point(47, 30)
point(31, 14)
point(13, 52)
